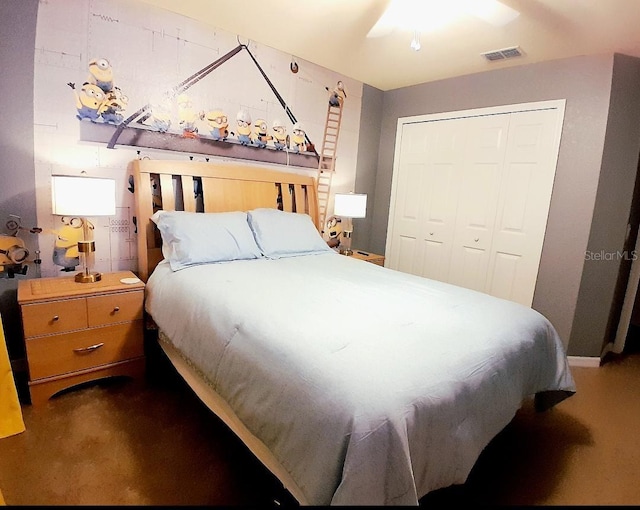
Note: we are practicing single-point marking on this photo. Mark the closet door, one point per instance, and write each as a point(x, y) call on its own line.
point(470, 196)
point(523, 205)
point(480, 173)
point(427, 191)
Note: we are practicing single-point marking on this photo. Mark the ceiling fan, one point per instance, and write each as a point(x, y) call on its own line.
point(427, 15)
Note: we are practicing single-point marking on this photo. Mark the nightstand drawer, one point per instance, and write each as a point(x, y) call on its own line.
point(61, 354)
point(125, 306)
point(54, 317)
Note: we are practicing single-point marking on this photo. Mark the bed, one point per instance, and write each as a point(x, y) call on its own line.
point(353, 383)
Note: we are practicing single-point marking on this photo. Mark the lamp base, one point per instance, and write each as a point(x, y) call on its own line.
point(346, 252)
point(88, 277)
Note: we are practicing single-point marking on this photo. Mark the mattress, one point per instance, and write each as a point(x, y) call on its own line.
point(368, 385)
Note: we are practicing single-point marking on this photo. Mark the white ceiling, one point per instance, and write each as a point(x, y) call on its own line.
point(332, 34)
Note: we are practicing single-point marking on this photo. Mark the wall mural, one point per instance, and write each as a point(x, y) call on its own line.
point(173, 117)
point(117, 80)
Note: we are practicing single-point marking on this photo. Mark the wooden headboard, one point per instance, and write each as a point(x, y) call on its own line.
point(210, 187)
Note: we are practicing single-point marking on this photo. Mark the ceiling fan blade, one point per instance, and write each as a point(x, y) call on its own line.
point(493, 12)
point(380, 29)
point(391, 18)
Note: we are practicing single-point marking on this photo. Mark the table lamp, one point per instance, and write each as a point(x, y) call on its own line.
point(78, 196)
point(349, 206)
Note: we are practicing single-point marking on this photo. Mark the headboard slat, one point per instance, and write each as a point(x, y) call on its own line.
point(299, 196)
point(188, 194)
point(167, 192)
point(224, 188)
point(287, 200)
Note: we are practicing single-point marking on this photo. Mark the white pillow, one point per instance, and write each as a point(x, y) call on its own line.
point(190, 238)
point(285, 234)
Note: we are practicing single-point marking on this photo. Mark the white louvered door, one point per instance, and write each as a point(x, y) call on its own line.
point(470, 196)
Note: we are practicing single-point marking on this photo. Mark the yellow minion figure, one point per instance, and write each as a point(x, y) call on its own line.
point(243, 121)
point(260, 137)
point(161, 115)
point(219, 123)
point(337, 95)
point(188, 116)
point(298, 140)
point(115, 102)
point(13, 253)
point(101, 74)
point(65, 249)
point(90, 101)
point(333, 231)
point(280, 137)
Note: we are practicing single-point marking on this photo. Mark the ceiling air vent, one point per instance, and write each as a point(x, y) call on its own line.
point(503, 54)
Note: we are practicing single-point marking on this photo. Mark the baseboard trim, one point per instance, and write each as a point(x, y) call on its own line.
point(583, 361)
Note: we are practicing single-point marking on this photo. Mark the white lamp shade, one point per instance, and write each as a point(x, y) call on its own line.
point(83, 196)
point(350, 205)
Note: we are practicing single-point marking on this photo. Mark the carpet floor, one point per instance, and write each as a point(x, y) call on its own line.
point(152, 442)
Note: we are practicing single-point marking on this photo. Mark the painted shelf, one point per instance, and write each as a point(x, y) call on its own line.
point(140, 135)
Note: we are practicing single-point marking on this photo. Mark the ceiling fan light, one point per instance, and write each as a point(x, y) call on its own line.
point(415, 42)
point(428, 15)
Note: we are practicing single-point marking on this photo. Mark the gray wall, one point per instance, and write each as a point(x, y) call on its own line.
point(367, 164)
point(591, 324)
point(17, 173)
point(585, 83)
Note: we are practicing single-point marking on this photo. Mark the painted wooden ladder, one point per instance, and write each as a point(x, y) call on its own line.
point(327, 161)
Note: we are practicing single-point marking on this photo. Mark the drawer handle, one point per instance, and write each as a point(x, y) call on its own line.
point(116, 309)
point(91, 348)
point(56, 318)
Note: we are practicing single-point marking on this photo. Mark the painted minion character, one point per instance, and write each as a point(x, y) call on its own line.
point(219, 123)
point(65, 249)
point(101, 74)
point(280, 138)
point(298, 140)
point(243, 121)
point(260, 136)
point(188, 116)
point(89, 101)
point(161, 115)
point(13, 252)
point(114, 103)
point(337, 95)
point(333, 231)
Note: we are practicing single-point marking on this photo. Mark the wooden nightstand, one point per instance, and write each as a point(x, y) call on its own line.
point(369, 257)
point(79, 332)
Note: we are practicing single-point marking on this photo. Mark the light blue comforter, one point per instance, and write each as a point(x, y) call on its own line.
point(369, 385)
